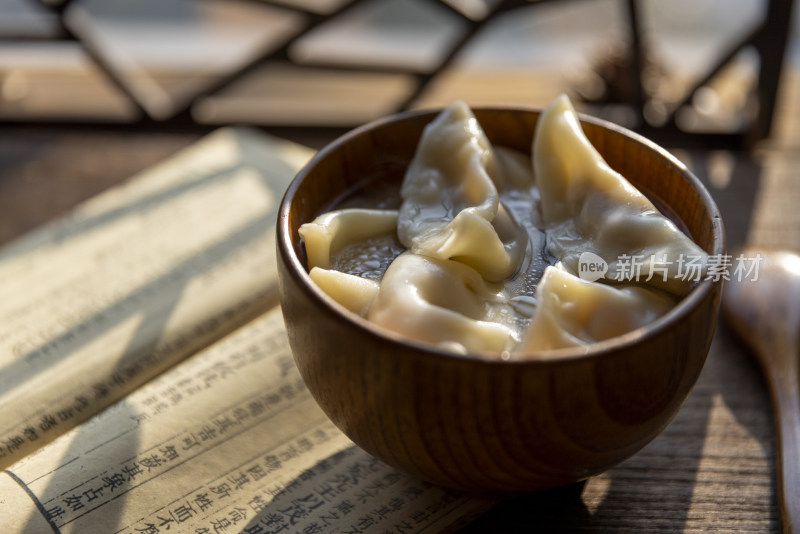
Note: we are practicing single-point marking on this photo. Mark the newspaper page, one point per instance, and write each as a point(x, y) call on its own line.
point(135, 280)
point(227, 441)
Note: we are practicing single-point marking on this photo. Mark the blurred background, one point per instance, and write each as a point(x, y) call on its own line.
point(133, 81)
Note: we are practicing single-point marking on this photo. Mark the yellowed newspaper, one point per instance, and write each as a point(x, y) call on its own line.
point(136, 280)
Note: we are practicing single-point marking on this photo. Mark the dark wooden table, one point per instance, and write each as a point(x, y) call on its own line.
point(711, 470)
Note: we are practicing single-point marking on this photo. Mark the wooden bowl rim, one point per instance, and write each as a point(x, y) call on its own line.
point(684, 307)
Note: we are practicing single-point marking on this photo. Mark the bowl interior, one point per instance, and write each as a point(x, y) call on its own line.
point(376, 155)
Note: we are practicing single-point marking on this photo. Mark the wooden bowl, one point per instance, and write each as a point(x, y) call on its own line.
point(462, 421)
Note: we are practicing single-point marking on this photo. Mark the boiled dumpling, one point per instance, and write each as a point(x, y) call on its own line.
point(589, 207)
point(353, 292)
point(465, 281)
point(451, 208)
point(572, 311)
point(331, 231)
point(443, 302)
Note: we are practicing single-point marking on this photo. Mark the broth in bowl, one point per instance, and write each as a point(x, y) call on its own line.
point(487, 250)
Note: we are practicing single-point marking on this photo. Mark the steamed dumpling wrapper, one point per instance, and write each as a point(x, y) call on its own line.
point(589, 207)
point(353, 292)
point(573, 312)
point(455, 285)
point(451, 208)
point(332, 231)
point(443, 302)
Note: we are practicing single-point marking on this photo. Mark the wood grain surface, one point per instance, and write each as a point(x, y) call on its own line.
point(711, 470)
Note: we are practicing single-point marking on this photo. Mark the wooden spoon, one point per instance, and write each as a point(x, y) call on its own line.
point(764, 309)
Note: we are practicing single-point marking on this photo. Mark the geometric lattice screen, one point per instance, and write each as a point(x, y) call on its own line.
point(704, 71)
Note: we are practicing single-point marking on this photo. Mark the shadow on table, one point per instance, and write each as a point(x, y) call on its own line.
point(744, 394)
point(59, 508)
point(736, 375)
point(651, 490)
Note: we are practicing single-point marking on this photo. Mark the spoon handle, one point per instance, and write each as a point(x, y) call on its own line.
point(785, 383)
